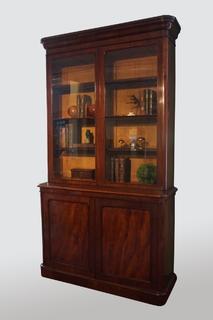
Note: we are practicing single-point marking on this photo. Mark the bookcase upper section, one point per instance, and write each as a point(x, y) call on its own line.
point(111, 106)
point(165, 25)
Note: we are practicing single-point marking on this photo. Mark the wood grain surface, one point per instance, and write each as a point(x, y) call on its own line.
point(69, 233)
point(126, 243)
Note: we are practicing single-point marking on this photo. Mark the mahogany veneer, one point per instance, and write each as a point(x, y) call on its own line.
point(113, 237)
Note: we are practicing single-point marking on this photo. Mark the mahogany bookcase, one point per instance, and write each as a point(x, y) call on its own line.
point(108, 205)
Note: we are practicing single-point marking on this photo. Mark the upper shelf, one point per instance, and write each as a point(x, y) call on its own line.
point(86, 150)
point(120, 120)
point(148, 153)
point(67, 88)
point(81, 121)
point(113, 84)
point(132, 83)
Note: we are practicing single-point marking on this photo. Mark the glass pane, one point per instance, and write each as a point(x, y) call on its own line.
point(131, 115)
point(73, 95)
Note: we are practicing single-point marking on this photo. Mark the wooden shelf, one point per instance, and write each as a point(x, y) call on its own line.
point(90, 122)
point(65, 88)
point(87, 150)
point(120, 120)
point(149, 153)
point(132, 83)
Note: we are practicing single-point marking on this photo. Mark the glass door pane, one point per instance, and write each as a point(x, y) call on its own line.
point(73, 103)
point(131, 115)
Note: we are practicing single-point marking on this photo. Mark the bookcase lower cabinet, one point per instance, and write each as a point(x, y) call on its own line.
point(112, 244)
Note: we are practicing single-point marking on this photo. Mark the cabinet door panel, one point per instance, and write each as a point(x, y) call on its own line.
point(73, 105)
point(124, 241)
point(131, 114)
point(67, 237)
point(69, 233)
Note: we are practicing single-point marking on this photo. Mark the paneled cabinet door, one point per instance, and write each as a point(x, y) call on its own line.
point(67, 233)
point(123, 252)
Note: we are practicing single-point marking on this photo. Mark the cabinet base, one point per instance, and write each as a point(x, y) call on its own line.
point(145, 295)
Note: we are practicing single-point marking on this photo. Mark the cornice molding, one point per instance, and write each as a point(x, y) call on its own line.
point(151, 25)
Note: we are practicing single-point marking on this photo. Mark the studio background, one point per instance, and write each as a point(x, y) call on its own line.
point(23, 293)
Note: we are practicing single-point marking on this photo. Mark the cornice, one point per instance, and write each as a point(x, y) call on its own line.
point(151, 25)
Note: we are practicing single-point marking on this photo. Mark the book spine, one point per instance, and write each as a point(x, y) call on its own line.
point(85, 109)
point(154, 102)
point(70, 135)
point(57, 136)
point(81, 109)
point(112, 169)
point(117, 170)
point(122, 169)
point(66, 136)
point(144, 100)
point(150, 101)
point(86, 103)
point(127, 170)
point(147, 101)
point(62, 137)
point(61, 168)
point(78, 103)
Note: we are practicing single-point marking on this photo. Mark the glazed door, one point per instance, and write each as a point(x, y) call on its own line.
point(124, 241)
point(68, 233)
point(132, 112)
point(72, 106)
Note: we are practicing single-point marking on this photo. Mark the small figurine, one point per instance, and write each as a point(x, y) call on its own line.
point(122, 143)
point(73, 111)
point(91, 110)
point(89, 137)
point(131, 114)
point(132, 144)
point(138, 104)
point(141, 143)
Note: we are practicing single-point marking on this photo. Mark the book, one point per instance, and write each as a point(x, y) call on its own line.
point(86, 101)
point(66, 135)
point(70, 135)
point(150, 101)
point(117, 170)
point(146, 101)
point(154, 102)
point(112, 169)
point(62, 140)
point(120, 169)
point(78, 103)
point(81, 110)
point(124, 169)
point(57, 137)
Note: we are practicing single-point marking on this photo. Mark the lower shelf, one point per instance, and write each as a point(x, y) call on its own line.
point(145, 295)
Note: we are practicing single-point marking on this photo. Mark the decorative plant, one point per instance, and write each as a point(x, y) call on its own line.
point(146, 173)
point(137, 102)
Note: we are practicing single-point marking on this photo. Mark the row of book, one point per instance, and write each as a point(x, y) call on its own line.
point(150, 101)
point(65, 136)
point(82, 103)
point(120, 169)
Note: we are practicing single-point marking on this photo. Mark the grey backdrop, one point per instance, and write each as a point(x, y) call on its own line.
point(23, 293)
